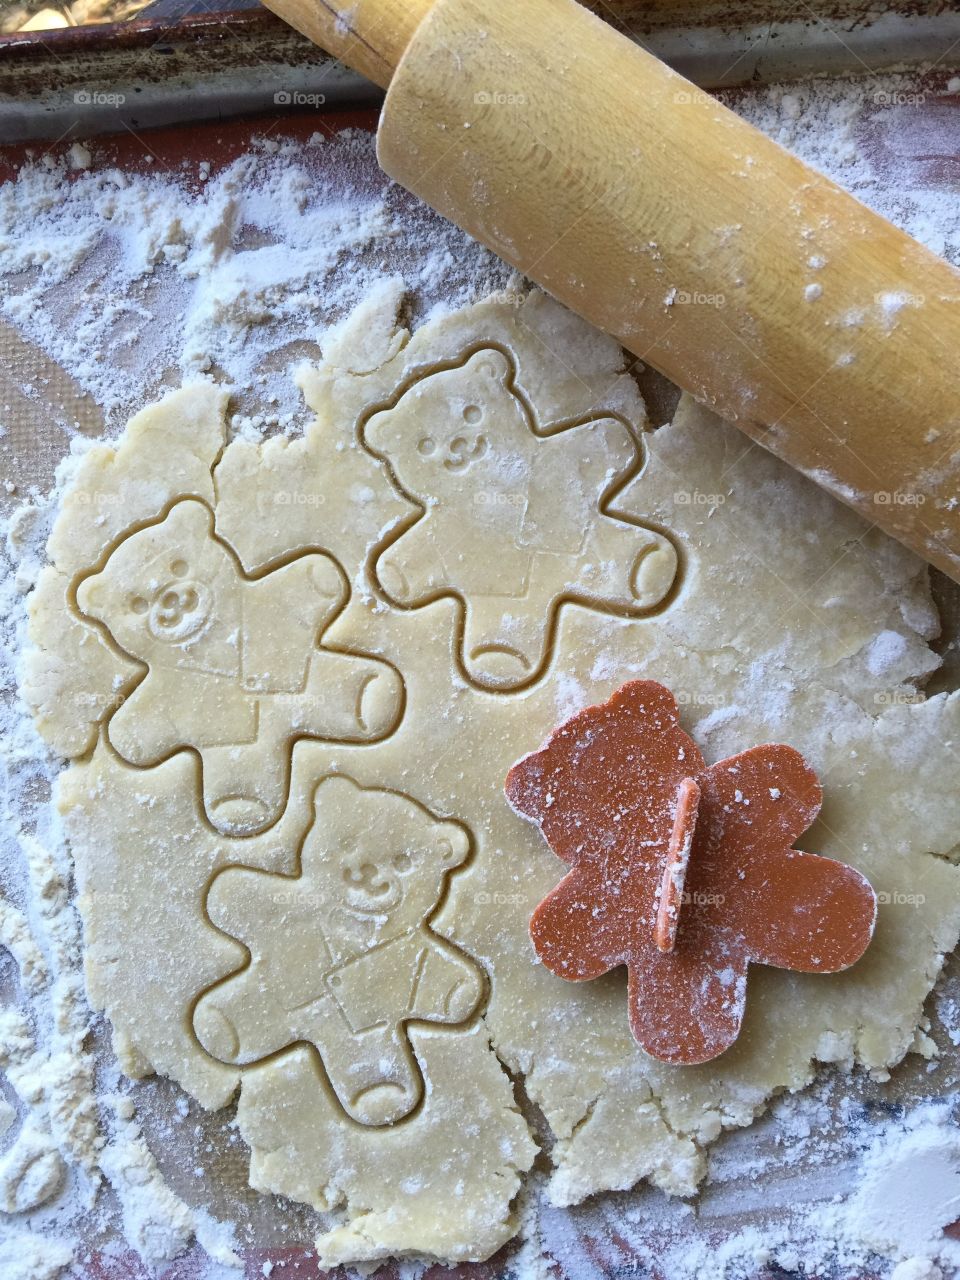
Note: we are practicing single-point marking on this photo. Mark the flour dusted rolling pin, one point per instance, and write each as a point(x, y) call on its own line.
point(714, 255)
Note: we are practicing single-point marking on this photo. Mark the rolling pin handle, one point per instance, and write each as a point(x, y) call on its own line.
point(368, 35)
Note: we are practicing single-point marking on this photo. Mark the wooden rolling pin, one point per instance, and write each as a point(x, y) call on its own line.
point(824, 332)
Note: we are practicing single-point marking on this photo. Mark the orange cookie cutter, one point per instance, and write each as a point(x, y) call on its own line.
point(684, 873)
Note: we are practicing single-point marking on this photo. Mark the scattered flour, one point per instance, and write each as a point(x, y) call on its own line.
point(133, 282)
point(885, 652)
point(155, 1221)
point(239, 276)
point(890, 139)
point(909, 1191)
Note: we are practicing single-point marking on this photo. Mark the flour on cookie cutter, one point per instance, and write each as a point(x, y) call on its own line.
point(681, 872)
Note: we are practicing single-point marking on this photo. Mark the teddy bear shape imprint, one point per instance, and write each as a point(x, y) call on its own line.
point(342, 955)
point(513, 518)
point(233, 664)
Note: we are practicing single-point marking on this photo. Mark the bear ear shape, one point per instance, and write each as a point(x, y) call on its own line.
point(333, 792)
point(452, 844)
point(374, 431)
point(192, 517)
point(492, 364)
point(90, 596)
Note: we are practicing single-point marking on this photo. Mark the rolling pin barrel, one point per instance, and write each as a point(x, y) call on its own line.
point(824, 332)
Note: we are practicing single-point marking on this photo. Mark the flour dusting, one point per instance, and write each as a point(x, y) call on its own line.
point(133, 282)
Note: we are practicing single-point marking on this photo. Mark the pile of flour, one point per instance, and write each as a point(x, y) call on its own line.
point(132, 282)
point(239, 272)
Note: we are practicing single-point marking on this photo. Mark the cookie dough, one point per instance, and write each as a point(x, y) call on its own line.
point(233, 667)
point(341, 955)
point(478, 519)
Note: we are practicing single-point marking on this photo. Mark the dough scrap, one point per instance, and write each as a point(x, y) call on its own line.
point(771, 632)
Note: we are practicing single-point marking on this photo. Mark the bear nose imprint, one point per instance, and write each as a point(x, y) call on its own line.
point(174, 604)
point(367, 877)
point(178, 610)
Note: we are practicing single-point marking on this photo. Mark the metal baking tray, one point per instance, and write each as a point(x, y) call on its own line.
point(168, 66)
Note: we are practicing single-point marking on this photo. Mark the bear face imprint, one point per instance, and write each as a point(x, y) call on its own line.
point(342, 953)
point(236, 668)
point(177, 610)
point(517, 518)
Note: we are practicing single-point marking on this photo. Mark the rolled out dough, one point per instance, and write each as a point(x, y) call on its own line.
point(290, 678)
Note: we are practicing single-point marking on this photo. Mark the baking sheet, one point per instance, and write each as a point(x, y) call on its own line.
point(603, 1236)
point(220, 60)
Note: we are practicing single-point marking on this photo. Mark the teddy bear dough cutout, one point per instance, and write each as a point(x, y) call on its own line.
point(234, 668)
point(342, 955)
point(512, 518)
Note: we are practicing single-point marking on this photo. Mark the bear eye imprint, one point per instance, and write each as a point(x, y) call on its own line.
point(402, 862)
point(367, 878)
point(473, 414)
point(138, 604)
point(426, 446)
point(179, 568)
